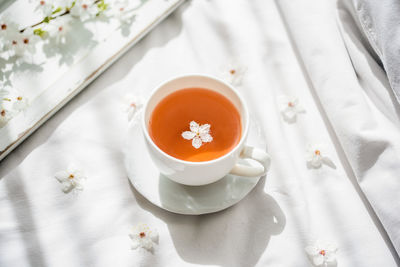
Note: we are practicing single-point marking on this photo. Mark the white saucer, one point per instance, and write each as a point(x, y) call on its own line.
point(182, 199)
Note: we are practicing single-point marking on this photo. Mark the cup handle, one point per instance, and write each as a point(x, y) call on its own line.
point(252, 171)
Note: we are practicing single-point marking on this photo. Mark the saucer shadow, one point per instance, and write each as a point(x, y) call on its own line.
point(236, 236)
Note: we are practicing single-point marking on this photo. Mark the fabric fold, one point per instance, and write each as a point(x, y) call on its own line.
point(364, 119)
point(380, 22)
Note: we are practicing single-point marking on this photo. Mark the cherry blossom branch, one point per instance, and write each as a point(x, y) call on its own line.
point(49, 18)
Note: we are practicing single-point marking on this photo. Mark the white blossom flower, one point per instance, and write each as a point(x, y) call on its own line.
point(46, 7)
point(59, 28)
point(6, 25)
point(143, 236)
point(8, 32)
point(20, 103)
point(322, 253)
point(133, 103)
point(233, 73)
point(198, 134)
point(24, 42)
point(316, 155)
point(72, 178)
point(122, 11)
point(84, 9)
point(290, 107)
point(5, 115)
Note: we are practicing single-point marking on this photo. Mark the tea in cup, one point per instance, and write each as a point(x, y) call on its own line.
point(195, 128)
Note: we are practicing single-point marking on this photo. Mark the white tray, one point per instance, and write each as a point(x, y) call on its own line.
point(50, 82)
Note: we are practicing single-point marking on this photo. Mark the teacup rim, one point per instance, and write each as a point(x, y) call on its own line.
point(196, 163)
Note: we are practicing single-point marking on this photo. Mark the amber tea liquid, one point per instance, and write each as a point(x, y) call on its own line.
point(172, 116)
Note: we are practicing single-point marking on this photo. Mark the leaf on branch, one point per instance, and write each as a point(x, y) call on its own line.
point(102, 6)
point(47, 19)
point(40, 32)
point(58, 9)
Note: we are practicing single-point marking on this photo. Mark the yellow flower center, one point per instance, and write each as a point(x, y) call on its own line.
point(19, 98)
point(290, 104)
point(317, 152)
point(84, 6)
point(322, 252)
point(142, 234)
point(232, 71)
point(71, 176)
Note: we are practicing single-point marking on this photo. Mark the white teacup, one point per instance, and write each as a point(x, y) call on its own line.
point(205, 172)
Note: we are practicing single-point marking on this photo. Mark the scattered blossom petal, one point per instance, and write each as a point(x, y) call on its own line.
point(133, 104)
point(318, 260)
point(233, 73)
point(61, 176)
point(71, 179)
point(321, 253)
point(317, 155)
point(142, 236)
point(290, 107)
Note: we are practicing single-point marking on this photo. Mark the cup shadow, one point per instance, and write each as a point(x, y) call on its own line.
point(236, 236)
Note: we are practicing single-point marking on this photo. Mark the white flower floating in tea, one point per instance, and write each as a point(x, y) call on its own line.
point(290, 107)
point(199, 134)
point(143, 236)
point(321, 253)
point(316, 155)
point(72, 178)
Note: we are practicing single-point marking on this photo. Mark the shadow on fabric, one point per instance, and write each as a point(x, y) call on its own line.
point(237, 236)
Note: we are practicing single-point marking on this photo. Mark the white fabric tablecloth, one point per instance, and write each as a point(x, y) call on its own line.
point(288, 210)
